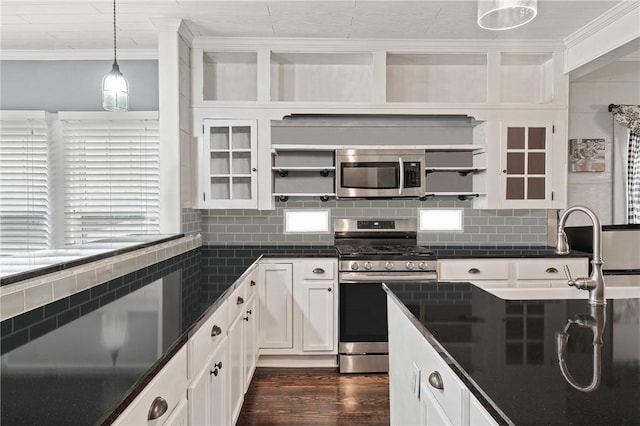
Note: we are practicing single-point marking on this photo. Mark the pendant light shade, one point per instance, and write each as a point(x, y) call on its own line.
point(505, 14)
point(115, 88)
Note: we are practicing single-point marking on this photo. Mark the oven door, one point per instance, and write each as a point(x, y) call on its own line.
point(363, 333)
point(379, 174)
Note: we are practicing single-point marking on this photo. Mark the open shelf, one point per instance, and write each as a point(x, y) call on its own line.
point(321, 77)
point(437, 77)
point(230, 76)
point(526, 78)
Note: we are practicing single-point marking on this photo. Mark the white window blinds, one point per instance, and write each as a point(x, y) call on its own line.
point(111, 175)
point(24, 201)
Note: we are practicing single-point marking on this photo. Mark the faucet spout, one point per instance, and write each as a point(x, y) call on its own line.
point(595, 283)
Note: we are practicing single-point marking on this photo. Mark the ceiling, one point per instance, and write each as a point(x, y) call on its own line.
point(48, 25)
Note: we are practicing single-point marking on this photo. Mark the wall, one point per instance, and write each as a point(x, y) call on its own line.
point(590, 96)
point(74, 85)
point(481, 227)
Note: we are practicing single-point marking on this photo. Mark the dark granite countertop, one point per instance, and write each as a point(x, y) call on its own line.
point(508, 349)
point(497, 251)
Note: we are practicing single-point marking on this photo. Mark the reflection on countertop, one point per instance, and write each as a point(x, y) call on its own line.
point(507, 348)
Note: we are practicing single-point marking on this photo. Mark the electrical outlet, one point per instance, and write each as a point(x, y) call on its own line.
point(415, 381)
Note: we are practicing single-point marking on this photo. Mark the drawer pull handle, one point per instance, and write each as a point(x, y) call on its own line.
point(474, 271)
point(252, 283)
point(158, 407)
point(436, 381)
point(216, 331)
point(240, 301)
point(551, 270)
point(318, 271)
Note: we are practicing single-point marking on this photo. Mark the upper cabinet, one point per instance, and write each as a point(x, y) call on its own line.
point(227, 164)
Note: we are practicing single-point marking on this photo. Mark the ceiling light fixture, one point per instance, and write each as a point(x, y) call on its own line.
point(505, 14)
point(115, 88)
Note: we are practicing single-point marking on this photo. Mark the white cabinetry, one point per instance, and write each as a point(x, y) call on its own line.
point(276, 305)
point(227, 165)
point(208, 361)
point(165, 393)
point(317, 299)
point(512, 272)
point(309, 288)
point(423, 389)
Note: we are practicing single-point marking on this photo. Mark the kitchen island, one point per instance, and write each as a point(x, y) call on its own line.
point(502, 357)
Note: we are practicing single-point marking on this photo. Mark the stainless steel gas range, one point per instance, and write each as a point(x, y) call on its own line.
point(372, 252)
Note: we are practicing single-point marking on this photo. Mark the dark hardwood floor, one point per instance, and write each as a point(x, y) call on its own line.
point(315, 396)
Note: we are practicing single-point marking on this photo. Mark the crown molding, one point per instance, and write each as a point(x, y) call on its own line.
point(609, 17)
point(76, 54)
point(395, 45)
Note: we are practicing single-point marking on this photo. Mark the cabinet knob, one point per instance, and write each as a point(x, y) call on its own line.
point(250, 311)
point(214, 372)
point(318, 271)
point(158, 407)
point(246, 318)
point(329, 289)
point(216, 331)
point(218, 365)
point(474, 271)
point(252, 283)
point(254, 169)
point(551, 270)
point(435, 380)
point(240, 301)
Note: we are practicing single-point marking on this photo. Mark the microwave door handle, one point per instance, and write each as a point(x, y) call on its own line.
point(401, 176)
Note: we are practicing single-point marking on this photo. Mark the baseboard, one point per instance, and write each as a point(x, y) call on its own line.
point(298, 361)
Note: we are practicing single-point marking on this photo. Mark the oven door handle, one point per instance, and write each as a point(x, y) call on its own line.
point(401, 176)
point(426, 277)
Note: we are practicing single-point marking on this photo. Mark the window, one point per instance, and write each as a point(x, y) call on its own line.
point(24, 194)
point(440, 219)
point(111, 175)
point(306, 221)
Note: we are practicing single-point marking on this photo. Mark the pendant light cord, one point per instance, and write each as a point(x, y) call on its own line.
point(114, 33)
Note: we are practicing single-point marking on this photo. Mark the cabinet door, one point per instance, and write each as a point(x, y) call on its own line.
point(227, 165)
point(236, 367)
point(179, 416)
point(526, 179)
point(275, 288)
point(431, 413)
point(250, 342)
point(218, 373)
point(318, 315)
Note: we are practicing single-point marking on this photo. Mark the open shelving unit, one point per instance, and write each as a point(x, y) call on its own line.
point(303, 173)
point(455, 171)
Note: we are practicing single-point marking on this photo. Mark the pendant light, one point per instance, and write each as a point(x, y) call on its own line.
point(505, 14)
point(115, 88)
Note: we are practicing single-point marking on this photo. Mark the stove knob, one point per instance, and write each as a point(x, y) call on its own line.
point(422, 265)
point(388, 265)
point(411, 266)
point(368, 265)
point(354, 266)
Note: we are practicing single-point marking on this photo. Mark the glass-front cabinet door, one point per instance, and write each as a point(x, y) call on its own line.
point(228, 165)
point(526, 165)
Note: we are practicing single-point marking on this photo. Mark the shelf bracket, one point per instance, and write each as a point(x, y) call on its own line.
point(465, 197)
point(283, 198)
point(466, 172)
point(324, 173)
point(428, 171)
point(324, 198)
point(283, 173)
point(425, 197)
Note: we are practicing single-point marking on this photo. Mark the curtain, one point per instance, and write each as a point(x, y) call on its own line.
point(629, 116)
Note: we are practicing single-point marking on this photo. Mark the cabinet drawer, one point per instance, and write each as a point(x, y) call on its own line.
point(237, 301)
point(451, 394)
point(550, 269)
point(207, 338)
point(169, 384)
point(319, 270)
point(470, 270)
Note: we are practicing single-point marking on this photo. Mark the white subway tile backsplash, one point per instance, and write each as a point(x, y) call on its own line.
point(38, 295)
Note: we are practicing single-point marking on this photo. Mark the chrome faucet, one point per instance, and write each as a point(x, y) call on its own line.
point(595, 283)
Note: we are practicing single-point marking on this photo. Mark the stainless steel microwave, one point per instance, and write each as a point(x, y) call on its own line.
point(380, 173)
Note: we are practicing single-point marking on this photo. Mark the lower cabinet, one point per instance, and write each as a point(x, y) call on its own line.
point(236, 367)
point(298, 303)
point(207, 393)
point(423, 390)
point(250, 341)
point(165, 394)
